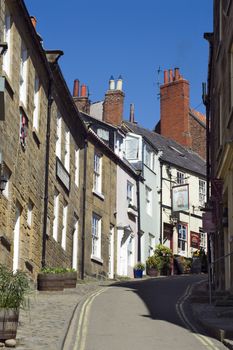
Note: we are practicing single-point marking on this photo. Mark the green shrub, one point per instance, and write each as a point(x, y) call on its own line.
point(139, 266)
point(152, 262)
point(13, 288)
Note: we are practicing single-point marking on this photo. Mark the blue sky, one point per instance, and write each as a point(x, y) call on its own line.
point(132, 38)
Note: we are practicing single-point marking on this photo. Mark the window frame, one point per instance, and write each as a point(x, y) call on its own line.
point(148, 198)
point(56, 206)
point(36, 111)
point(23, 74)
point(97, 173)
point(182, 242)
point(7, 34)
point(64, 225)
point(180, 177)
point(202, 191)
point(96, 236)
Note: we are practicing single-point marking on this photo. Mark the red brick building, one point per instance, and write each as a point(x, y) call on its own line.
point(177, 120)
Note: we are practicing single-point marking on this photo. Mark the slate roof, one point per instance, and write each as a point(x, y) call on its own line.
point(172, 152)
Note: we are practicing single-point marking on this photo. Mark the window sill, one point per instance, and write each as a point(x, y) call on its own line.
point(8, 85)
point(98, 194)
point(36, 137)
point(96, 259)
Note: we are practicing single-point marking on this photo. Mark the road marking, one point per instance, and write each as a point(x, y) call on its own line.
point(80, 340)
point(180, 310)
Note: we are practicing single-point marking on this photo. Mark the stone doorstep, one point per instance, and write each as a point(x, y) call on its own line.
point(216, 331)
point(228, 343)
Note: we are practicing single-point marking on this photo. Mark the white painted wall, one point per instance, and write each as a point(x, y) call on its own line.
point(126, 227)
point(192, 217)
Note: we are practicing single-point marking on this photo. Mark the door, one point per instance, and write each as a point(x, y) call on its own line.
point(111, 253)
point(16, 239)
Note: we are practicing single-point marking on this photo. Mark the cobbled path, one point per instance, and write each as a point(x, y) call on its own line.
point(44, 325)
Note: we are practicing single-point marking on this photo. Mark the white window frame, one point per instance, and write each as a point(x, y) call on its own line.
point(182, 237)
point(36, 102)
point(148, 195)
point(151, 245)
point(130, 188)
point(58, 135)
point(96, 236)
point(7, 38)
point(97, 181)
point(202, 192)
point(202, 236)
point(30, 213)
point(132, 147)
point(67, 149)
point(75, 243)
point(23, 74)
point(76, 165)
point(56, 215)
point(64, 225)
point(7, 174)
point(180, 177)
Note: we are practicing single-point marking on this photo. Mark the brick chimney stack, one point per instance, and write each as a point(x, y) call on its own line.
point(174, 108)
point(114, 102)
point(82, 102)
point(34, 21)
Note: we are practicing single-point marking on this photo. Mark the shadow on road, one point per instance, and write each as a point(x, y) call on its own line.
point(161, 294)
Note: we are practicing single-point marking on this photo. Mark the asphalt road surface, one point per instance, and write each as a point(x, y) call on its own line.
point(149, 314)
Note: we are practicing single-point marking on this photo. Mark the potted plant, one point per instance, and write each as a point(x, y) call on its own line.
point(51, 279)
point(14, 287)
point(164, 256)
point(138, 270)
point(152, 266)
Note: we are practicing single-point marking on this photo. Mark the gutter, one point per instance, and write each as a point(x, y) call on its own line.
point(46, 183)
point(84, 208)
point(139, 220)
point(161, 197)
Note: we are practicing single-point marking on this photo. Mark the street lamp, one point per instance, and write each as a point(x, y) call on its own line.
point(3, 48)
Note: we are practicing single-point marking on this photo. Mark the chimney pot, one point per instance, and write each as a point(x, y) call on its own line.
point(177, 74)
point(131, 116)
point(76, 88)
point(111, 83)
point(83, 90)
point(119, 83)
point(165, 77)
point(34, 21)
point(170, 75)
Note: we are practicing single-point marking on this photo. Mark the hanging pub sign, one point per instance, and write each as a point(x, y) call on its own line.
point(195, 239)
point(180, 197)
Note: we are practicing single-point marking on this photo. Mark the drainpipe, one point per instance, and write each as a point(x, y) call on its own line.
point(46, 183)
point(161, 209)
point(139, 219)
point(84, 207)
point(206, 101)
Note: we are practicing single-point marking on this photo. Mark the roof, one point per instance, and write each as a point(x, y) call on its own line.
point(172, 152)
point(198, 116)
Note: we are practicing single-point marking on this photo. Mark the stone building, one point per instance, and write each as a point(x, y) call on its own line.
point(219, 102)
point(64, 171)
point(25, 74)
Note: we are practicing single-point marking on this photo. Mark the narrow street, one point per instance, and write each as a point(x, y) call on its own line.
point(145, 314)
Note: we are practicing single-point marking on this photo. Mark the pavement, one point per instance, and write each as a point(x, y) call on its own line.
point(215, 314)
point(46, 322)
